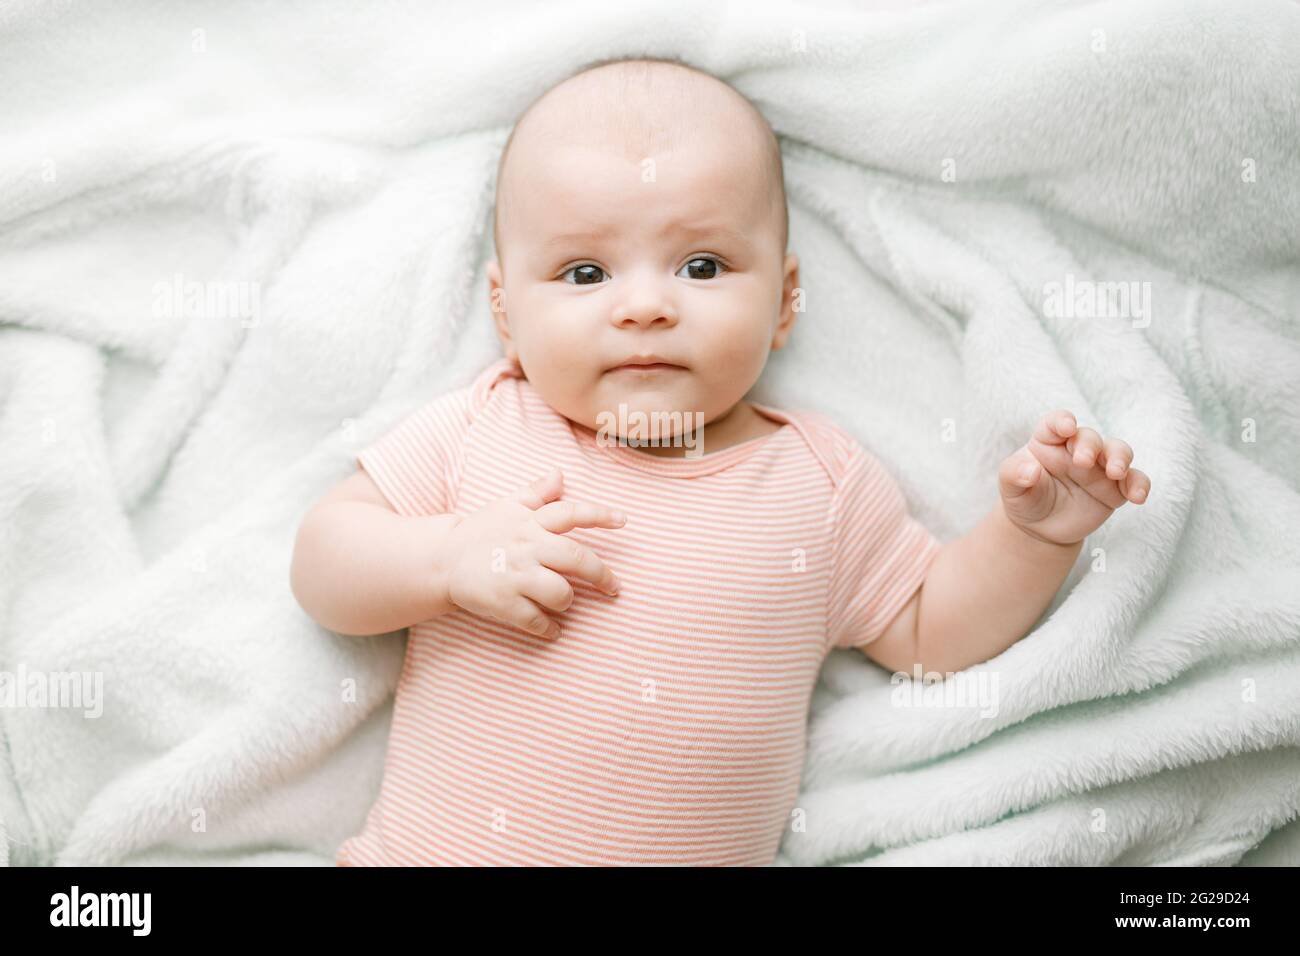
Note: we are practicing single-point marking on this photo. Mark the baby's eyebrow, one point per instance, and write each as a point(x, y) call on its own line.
point(706, 231)
point(587, 235)
point(686, 231)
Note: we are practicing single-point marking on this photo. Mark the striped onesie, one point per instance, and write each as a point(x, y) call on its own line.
point(667, 725)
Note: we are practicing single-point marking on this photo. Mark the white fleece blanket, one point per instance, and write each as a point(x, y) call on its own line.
point(240, 241)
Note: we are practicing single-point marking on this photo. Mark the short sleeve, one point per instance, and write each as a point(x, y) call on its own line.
point(417, 463)
point(880, 553)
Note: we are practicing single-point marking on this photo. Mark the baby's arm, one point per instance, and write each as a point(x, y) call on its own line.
point(984, 591)
point(360, 568)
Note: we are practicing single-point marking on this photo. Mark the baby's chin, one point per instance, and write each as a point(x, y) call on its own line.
point(648, 399)
point(630, 409)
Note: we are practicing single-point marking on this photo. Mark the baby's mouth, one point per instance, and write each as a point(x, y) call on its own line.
point(645, 364)
point(654, 368)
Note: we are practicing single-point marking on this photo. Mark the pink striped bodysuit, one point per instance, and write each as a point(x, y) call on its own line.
point(667, 725)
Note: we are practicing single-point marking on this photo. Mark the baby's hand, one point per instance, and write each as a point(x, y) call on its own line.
point(1066, 481)
point(512, 552)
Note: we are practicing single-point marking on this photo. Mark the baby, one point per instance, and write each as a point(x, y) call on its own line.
point(613, 646)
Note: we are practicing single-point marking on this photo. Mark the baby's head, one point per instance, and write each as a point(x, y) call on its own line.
point(641, 211)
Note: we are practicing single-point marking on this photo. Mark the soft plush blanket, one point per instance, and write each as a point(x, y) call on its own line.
point(239, 241)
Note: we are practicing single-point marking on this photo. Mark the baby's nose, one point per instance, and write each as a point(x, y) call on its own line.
point(644, 301)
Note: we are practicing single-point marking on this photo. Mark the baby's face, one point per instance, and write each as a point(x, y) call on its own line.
point(608, 256)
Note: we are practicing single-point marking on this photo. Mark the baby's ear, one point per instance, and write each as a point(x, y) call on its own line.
point(496, 288)
point(791, 301)
point(497, 303)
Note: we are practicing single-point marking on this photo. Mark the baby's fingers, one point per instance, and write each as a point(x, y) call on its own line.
point(566, 556)
point(527, 616)
point(1018, 473)
point(1116, 456)
point(1084, 448)
point(1135, 485)
point(561, 516)
point(1056, 427)
point(550, 591)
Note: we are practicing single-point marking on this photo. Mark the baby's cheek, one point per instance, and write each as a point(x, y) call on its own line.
point(555, 348)
point(741, 353)
point(746, 324)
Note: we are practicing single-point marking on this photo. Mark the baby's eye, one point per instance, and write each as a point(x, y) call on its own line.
point(701, 268)
point(585, 275)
